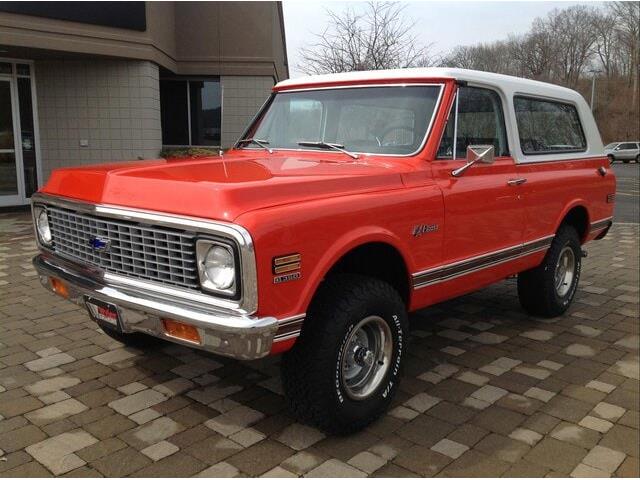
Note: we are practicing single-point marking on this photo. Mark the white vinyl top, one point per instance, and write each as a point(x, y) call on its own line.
point(471, 76)
point(507, 86)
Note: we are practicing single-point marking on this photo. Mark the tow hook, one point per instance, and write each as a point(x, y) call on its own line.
point(584, 254)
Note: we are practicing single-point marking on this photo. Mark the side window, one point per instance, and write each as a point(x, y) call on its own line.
point(477, 118)
point(628, 146)
point(547, 126)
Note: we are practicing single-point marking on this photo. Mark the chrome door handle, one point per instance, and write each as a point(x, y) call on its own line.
point(516, 181)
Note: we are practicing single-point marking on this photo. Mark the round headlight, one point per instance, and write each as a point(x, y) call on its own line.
point(42, 224)
point(219, 267)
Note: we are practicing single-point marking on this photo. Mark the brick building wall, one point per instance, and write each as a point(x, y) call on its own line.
point(113, 105)
point(241, 99)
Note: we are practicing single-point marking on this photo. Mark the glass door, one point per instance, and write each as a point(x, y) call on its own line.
point(10, 191)
point(19, 159)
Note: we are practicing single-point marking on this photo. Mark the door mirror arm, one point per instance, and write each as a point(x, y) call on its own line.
point(476, 154)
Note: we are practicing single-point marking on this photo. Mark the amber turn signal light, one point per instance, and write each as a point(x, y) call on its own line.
point(59, 287)
point(185, 332)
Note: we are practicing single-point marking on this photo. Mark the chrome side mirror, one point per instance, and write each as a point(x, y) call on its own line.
point(476, 154)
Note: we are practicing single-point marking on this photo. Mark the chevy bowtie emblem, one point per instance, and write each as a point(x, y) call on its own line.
point(100, 244)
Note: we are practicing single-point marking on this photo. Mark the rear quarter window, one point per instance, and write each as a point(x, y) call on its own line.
point(548, 126)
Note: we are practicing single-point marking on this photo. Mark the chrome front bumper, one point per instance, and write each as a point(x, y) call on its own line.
point(222, 331)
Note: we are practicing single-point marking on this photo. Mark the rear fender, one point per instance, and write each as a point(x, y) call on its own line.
point(578, 202)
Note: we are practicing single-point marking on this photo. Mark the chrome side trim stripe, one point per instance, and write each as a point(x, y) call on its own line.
point(289, 327)
point(474, 264)
point(600, 224)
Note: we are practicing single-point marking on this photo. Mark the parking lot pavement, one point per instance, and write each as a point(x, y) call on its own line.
point(627, 207)
point(488, 391)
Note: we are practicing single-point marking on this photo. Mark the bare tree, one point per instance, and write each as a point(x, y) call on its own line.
point(490, 57)
point(627, 15)
point(539, 47)
point(606, 45)
point(574, 34)
point(379, 37)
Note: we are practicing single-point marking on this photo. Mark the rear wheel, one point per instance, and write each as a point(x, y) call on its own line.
point(344, 370)
point(548, 289)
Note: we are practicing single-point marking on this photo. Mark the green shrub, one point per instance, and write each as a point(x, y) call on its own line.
point(188, 152)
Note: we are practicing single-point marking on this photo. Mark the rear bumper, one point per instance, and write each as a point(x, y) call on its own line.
point(221, 331)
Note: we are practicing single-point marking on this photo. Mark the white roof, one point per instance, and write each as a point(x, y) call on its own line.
point(506, 85)
point(471, 76)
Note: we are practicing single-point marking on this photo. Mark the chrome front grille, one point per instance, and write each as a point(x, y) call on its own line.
point(148, 252)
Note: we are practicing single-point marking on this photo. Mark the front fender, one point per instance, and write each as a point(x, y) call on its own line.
point(342, 246)
point(322, 232)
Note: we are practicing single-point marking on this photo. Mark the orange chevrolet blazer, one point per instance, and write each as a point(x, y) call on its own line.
point(350, 200)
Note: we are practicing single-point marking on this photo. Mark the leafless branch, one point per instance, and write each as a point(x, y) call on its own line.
point(379, 37)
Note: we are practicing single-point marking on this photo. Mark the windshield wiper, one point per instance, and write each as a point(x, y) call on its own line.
point(262, 143)
point(331, 146)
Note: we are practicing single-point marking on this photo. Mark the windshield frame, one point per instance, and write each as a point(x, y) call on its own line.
point(269, 101)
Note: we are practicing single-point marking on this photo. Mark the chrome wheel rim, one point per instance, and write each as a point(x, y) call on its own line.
point(565, 271)
point(366, 357)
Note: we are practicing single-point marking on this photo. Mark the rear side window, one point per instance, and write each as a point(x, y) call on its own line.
point(547, 126)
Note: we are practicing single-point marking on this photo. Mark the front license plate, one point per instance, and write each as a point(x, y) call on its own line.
point(104, 312)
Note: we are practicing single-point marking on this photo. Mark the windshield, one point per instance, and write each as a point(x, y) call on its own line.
point(384, 120)
point(610, 145)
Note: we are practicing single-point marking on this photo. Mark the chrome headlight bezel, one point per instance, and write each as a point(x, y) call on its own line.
point(203, 247)
point(42, 227)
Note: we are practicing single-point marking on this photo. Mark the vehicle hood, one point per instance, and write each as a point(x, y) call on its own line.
point(222, 188)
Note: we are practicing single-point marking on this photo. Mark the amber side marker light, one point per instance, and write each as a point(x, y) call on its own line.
point(59, 287)
point(185, 332)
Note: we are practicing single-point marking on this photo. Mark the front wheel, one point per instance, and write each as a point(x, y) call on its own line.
point(344, 369)
point(548, 289)
point(611, 159)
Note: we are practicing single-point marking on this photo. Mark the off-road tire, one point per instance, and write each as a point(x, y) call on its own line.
point(536, 287)
point(311, 370)
point(136, 340)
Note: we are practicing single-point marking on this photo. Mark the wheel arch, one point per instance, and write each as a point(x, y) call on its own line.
point(577, 215)
point(351, 255)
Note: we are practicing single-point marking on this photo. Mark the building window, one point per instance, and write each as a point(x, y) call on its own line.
point(191, 111)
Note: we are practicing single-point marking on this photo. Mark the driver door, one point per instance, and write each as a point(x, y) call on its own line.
point(483, 207)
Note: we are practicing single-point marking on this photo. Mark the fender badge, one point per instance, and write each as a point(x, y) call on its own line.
point(420, 230)
point(287, 278)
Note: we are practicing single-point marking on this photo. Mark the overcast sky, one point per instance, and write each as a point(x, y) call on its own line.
point(445, 24)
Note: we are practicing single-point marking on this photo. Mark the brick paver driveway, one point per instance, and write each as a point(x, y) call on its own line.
point(488, 390)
